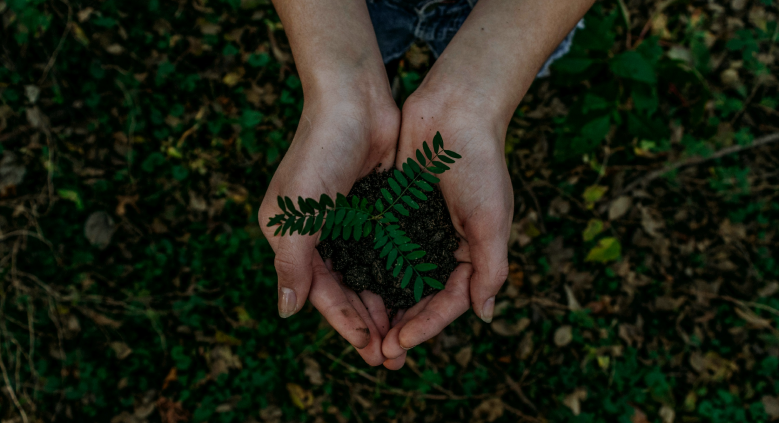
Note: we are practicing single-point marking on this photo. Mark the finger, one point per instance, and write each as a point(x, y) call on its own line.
point(443, 309)
point(488, 247)
point(294, 258)
point(377, 311)
point(395, 363)
point(372, 352)
point(463, 252)
point(328, 297)
point(398, 318)
point(391, 345)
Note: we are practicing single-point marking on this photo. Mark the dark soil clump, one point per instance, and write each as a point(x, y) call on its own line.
point(430, 226)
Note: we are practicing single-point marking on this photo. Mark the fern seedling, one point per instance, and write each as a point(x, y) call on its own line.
point(357, 219)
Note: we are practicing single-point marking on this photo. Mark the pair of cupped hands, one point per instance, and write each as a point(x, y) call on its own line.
point(344, 135)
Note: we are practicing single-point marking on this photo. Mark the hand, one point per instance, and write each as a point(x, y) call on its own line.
point(479, 196)
point(342, 136)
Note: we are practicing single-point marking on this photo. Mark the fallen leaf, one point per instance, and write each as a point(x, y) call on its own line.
point(563, 335)
point(231, 79)
point(593, 193)
point(32, 92)
point(573, 304)
point(608, 249)
point(172, 412)
point(638, 416)
point(301, 398)
point(667, 414)
point(171, 377)
point(619, 207)
point(224, 338)
point(771, 406)
point(99, 229)
point(11, 171)
point(489, 410)
point(101, 319)
point(463, 357)
point(114, 49)
point(594, 227)
point(768, 290)
point(516, 276)
point(651, 221)
point(752, 319)
point(83, 14)
point(503, 328)
point(313, 371)
point(124, 201)
point(525, 346)
point(574, 399)
point(121, 349)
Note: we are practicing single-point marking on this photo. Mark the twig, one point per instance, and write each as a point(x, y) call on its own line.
point(697, 160)
point(374, 379)
point(10, 389)
point(53, 57)
point(535, 200)
point(518, 390)
point(395, 391)
point(523, 417)
point(746, 103)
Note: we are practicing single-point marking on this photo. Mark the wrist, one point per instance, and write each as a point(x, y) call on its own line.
point(462, 100)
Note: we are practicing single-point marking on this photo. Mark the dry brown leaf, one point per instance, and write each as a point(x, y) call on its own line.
point(771, 406)
point(525, 346)
point(574, 399)
point(573, 304)
point(172, 412)
point(313, 371)
point(753, 319)
point(619, 207)
point(489, 410)
point(503, 328)
point(171, 377)
point(638, 416)
point(563, 335)
point(667, 414)
point(463, 357)
point(121, 349)
point(651, 221)
point(11, 171)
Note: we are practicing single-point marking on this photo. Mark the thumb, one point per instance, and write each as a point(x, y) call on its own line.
point(294, 255)
point(489, 256)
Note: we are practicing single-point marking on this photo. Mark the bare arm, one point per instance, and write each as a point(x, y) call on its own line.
point(349, 126)
point(469, 95)
point(334, 46)
point(496, 54)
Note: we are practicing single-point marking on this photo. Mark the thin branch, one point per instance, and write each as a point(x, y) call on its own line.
point(53, 57)
point(10, 390)
point(651, 176)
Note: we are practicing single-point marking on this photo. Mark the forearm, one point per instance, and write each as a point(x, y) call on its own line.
point(334, 46)
point(497, 52)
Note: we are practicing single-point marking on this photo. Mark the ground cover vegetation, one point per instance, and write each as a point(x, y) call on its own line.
point(137, 140)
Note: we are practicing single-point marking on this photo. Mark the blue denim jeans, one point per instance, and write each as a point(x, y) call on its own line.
point(399, 22)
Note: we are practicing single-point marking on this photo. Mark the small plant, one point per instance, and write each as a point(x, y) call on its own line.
point(358, 219)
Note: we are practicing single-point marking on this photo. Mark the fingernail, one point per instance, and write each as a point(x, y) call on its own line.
point(288, 303)
point(406, 348)
point(487, 309)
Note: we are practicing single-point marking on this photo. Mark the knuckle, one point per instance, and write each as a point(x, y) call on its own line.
point(286, 265)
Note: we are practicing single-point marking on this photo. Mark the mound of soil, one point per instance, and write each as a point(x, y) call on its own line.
point(429, 226)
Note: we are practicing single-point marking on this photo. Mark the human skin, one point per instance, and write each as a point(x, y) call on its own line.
point(469, 95)
point(349, 126)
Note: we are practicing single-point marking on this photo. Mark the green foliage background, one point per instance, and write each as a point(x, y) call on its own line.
point(158, 125)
